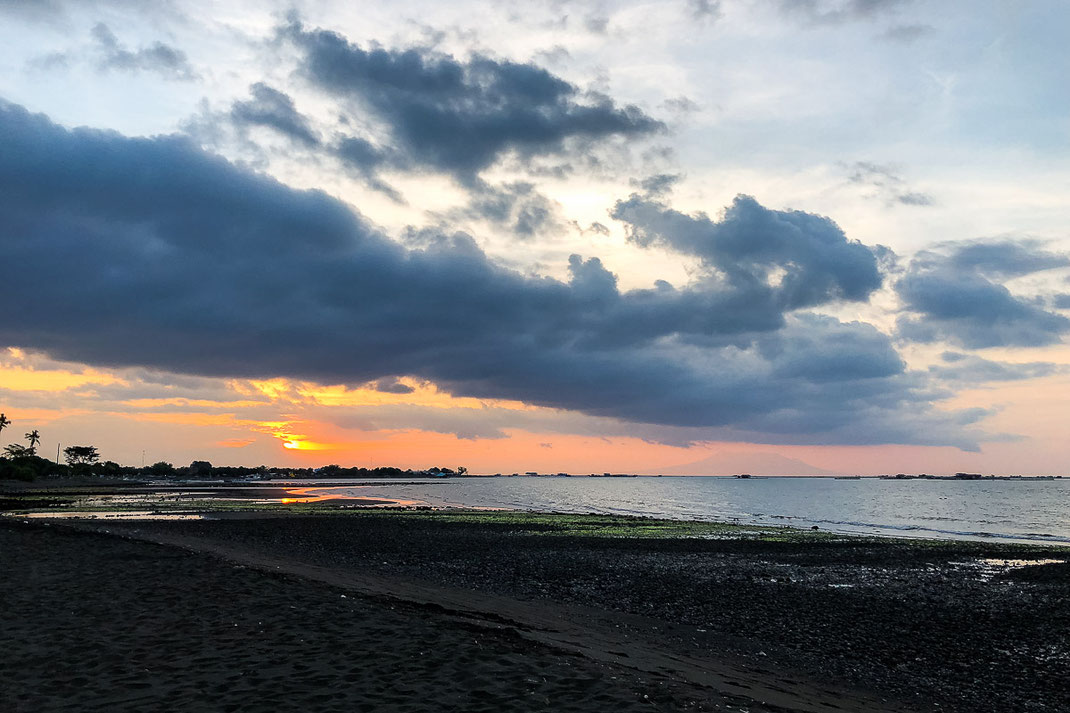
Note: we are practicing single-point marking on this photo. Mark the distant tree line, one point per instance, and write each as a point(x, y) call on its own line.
point(19, 462)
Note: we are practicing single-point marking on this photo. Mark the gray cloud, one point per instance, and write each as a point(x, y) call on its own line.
point(158, 255)
point(817, 381)
point(169, 62)
point(49, 62)
point(275, 110)
point(363, 159)
point(681, 105)
point(970, 369)
point(955, 294)
point(772, 261)
point(457, 116)
point(555, 55)
point(57, 12)
point(905, 34)
point(597, 24)
point(515, 206)
point(704, 9)
point(391, 385)
point(657, 185)
point(37, 11)
point(887, 184)
point(1003, 258)
point(833, 12)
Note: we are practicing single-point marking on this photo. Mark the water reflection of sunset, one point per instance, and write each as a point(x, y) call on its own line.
point(303, 495)
point(320, 494)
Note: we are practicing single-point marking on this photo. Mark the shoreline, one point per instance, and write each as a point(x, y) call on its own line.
point(230, 500)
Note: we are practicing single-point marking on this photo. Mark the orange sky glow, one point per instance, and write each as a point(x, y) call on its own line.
point(273, 422)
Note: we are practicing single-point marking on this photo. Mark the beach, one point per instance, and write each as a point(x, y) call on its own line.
point(454, 610)
point(99, 623)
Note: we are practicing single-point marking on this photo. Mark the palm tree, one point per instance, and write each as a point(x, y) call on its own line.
point(35, 439)
point(4, 422)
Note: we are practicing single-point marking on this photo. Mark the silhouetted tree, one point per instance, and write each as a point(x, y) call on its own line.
point(160, 468)
point(81, 455)
point(200, 468)
point(22, 464)
point(35, 440)
point(17, 451)
point(111, 468)
point(4, 422)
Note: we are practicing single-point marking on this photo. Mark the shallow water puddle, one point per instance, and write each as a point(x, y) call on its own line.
point(986, 568)
point(109, 515)
point(199, 504)
point(1014, 564)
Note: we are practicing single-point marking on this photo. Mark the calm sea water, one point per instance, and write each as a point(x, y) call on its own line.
point(1018, 510)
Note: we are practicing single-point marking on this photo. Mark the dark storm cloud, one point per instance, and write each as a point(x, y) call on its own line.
point(459, 116)
point(152, 253)
point(158, 57)
point(955, 295)
point(391, 385)
point(778, 260)
point(275, 110)
point(825, 350)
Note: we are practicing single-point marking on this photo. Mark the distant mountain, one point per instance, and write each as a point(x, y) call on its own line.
point(753, 463)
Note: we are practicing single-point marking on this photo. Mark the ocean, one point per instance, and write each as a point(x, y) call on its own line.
point(1021, 510)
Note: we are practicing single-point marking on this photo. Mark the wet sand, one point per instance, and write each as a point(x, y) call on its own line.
point(441, 614)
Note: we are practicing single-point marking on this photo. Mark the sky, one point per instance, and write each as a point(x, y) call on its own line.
point(772, 236)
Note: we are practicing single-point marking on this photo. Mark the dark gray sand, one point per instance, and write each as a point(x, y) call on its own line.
point(447, 615)
point(93, 622)
point(927, 624)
